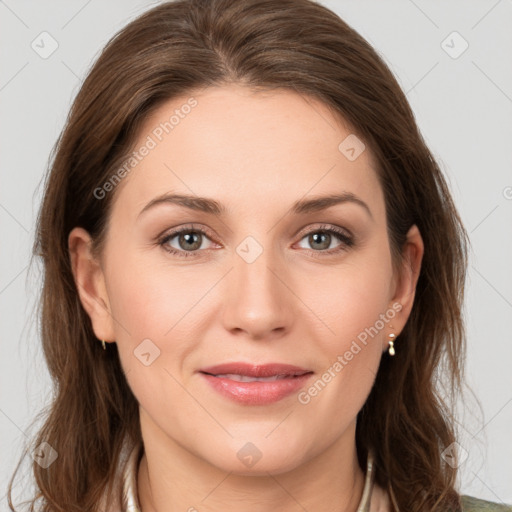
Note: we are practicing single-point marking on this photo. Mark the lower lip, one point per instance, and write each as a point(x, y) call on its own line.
point(257, 393)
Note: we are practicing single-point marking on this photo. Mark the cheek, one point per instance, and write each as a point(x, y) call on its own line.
point(349, 299)
point(148, 306)
point(150, 299)
point(353, 305)
point(153, 312)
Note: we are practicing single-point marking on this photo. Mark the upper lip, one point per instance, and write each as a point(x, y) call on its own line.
point(253, 370)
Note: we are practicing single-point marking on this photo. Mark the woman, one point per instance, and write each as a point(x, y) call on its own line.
point(206, 353)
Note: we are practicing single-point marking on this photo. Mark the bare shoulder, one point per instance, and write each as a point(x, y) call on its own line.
point(470, 504)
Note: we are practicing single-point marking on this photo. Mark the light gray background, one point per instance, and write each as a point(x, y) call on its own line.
point(463, 107)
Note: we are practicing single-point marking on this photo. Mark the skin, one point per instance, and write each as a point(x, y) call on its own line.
point(256, 153)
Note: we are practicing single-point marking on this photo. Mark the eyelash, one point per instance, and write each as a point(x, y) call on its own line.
point(346, 240)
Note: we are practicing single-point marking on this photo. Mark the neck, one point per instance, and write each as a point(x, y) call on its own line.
point(172, 479)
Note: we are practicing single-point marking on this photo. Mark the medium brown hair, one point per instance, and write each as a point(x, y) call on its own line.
point(188, 45)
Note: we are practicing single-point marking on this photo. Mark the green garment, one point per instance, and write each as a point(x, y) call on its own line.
point(472, 504)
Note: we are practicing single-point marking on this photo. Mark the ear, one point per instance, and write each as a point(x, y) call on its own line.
point(405, 282)
point(90, 282)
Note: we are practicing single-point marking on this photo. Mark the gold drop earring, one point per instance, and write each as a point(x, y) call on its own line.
point(391, 348)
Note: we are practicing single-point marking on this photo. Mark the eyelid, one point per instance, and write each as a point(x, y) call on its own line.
point(169, 234)
point(191, 226)
point(323, 227)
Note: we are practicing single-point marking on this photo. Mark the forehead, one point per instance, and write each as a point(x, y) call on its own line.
point(246, 149)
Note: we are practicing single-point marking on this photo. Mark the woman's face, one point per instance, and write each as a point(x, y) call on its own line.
point(257, 278)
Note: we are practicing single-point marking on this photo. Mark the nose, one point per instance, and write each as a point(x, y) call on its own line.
point(259, 302)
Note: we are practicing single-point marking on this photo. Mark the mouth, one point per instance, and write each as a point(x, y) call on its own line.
point(246, 378)
point(251, 384)
point(265, 371)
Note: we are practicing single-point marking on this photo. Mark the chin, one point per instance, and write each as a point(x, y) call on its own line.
point(260, 456)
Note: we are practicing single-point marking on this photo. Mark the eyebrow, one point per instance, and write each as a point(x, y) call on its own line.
point(303, 206)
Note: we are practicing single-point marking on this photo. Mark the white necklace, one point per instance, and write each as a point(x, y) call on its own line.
point(130, 501)
point(364, 504)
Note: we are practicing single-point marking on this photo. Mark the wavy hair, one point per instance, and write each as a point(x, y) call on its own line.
point(187, 45)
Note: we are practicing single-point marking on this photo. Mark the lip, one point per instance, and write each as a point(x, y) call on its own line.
point(253, 370)
point(288, 380)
